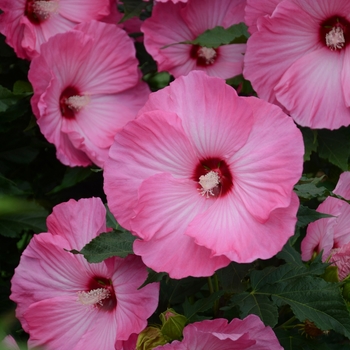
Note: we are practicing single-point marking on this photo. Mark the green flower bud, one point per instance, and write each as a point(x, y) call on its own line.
point(150, 338)
point(172, 324)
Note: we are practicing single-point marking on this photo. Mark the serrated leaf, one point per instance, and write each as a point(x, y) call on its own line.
point(201, 305)
point(306, 215)
point(153, 277)
point(108, 244)
point(310, 190)
point(260, 305)
point(311, 298)
point(334, 145)
point(290, 255)
point(215, 37)
point(133, 8)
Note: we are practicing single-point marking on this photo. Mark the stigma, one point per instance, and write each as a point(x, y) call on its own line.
point(76, 102)
point(208, 182)
point(44, 9)
point(94, 296)
point(335, 39)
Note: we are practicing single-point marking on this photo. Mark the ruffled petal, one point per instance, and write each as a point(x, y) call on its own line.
point(143, 141)
point(228, 229)
point(343, 186)
point(322, 104)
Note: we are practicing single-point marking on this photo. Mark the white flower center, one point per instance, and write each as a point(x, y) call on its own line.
point(335, 38)
point(208, 54)
point(94, 296)
point(208, 182)
point(76, 103)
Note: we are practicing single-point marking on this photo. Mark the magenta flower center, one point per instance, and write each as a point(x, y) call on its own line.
point(335, 32)
point(205, 56)
point(100, 294)
point(39, 11)
point(213, 177)
point(71, 102)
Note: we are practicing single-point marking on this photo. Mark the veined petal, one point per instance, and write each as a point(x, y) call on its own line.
point(343, 186)
point(322, 104)
point(143, 141)
point(83, 11)
point(268, 166)
point(228, 229)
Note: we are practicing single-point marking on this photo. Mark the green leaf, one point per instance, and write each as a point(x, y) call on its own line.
point(306, 215)
point(108, 244)
point(153, 277)
point(310, 190)
point(133, 8)
point(23, 215)
point(260, 305)
point(310, 142)
point(213, 38)
point(7, 99)
point(71, 177)
point(311, 298)
point(334, 145)
point(191, 310)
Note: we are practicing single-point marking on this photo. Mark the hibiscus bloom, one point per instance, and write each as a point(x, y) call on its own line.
point(174, 23)
point(85, 90)
point(29, 23)
point(297, 59)
point(249, 333)
point(331, 235)
point(64, 302)
point(203, 177)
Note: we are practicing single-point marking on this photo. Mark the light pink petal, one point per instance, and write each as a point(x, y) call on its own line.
point(201, 15)
point(228, 229)
point(165, 208)
point(268, 166)
point(60, 322)
point(143, 141)
point(105, 70)
point(83, 10)
point(343, 186)
point(206, 115)
point(291, 36)
point(322, 104)
point(320, 234)
point(78, 221)
point(345, 77)
point(9, 343)
point(341, 258)
point(134, 306)
point(342, 226)
point(256, 9)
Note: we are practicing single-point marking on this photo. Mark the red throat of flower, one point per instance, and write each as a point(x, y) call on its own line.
point(72, 101)
point(205, 56)
point(335, 33)
point(214, 178)
point(100, 293)
point(39, 11)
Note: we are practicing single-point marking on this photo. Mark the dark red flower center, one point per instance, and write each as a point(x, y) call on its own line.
point(335, 32)
point(71, 102)
point(214, 177)
point(39, 11)
point(100, 293)
point(205, 56)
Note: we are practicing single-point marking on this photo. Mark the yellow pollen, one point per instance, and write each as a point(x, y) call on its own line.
point(208, 54)
point(76, 103)
point(335, 38)
point(208, 182)
point(94, 296)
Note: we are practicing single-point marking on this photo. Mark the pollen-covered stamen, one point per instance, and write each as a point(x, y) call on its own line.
point(207, 54)
point(44, 9)
point(335, 39)
point(76, 102)
point(208, 182)
point(94, 297)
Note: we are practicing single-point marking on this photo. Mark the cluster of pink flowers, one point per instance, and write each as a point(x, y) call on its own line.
point(331, 236)
point(200, 175)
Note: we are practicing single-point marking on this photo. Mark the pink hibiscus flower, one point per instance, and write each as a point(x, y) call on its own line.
point(85, 90)
point(29, 23)
point(203, 177)
point(331, 235)
point(297, 58)
point(64, 302)
point(249, 333)
point(174, 23)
